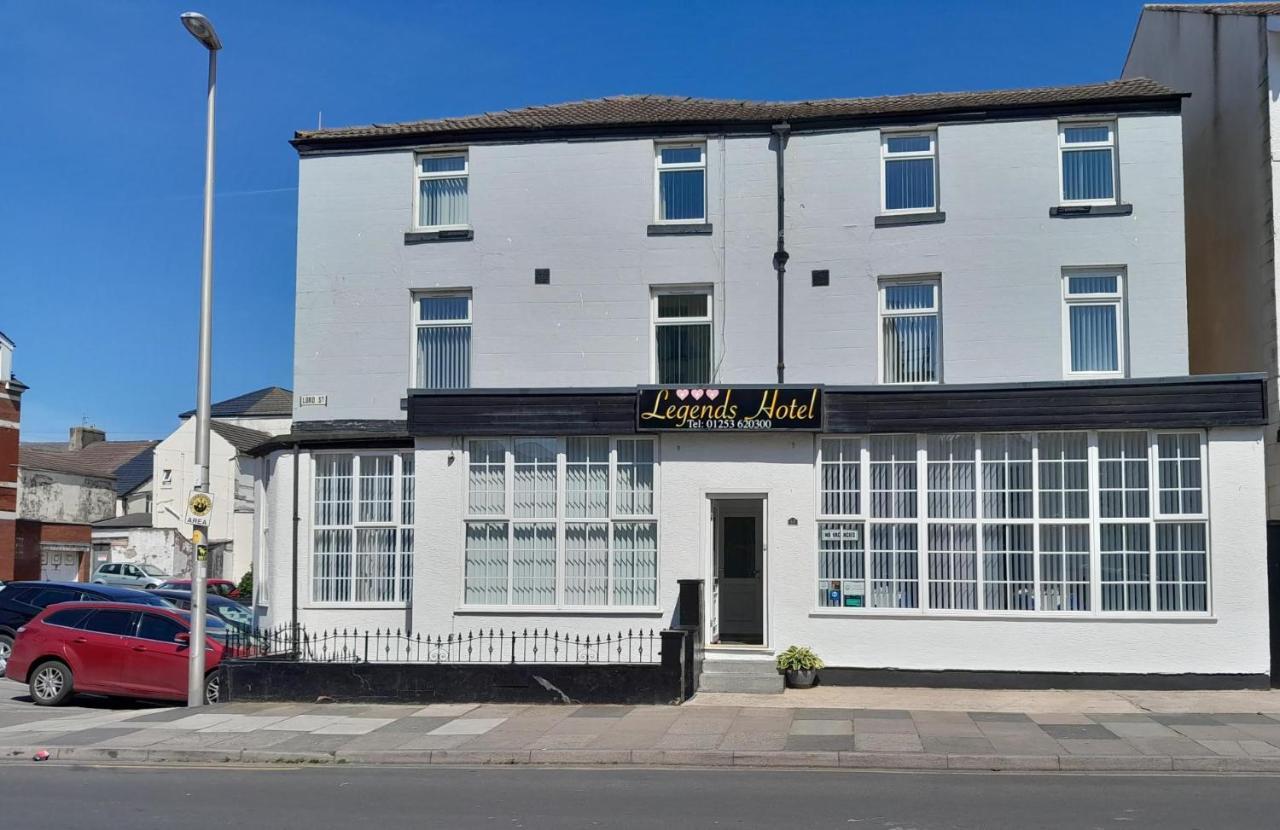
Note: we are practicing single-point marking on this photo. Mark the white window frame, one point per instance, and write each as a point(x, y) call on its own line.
point(561, 521)
point(1094, 521)
point(886, 156)
point(655, 322)
point(396, 523)
point(882, 313)
point(417, 323)
point(659, 167)
point(419, 177)
point(1115, 299)
point(1110, 144)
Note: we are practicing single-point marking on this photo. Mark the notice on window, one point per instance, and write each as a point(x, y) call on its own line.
point(729, 408)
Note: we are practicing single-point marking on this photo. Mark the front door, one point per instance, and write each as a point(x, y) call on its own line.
point(739, 540)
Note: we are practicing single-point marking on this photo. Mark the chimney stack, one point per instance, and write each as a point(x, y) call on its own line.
point(83, 436)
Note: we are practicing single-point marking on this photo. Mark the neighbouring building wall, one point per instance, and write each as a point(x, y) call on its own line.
point(164, 548)
point(1224, 61)
point(229, 484)
point(65, 498)
point(1231, 638)
point(581, 209)
point(10, 417)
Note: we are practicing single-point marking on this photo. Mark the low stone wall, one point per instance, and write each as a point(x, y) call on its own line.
point(669, 681)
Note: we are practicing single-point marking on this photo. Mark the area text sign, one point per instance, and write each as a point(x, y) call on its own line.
point(729, 408)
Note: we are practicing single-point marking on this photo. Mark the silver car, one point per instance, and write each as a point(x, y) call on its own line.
point(129, 575)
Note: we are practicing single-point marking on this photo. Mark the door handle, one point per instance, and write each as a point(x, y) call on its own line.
point(80, 640)
point(139, 648)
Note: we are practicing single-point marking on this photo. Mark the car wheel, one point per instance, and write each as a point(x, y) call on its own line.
point(50, 683)
point(212, 688)
point(150, 586)
point(6, 649)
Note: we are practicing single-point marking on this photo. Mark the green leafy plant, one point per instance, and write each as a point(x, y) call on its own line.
point(246, 585)
point(799, 658)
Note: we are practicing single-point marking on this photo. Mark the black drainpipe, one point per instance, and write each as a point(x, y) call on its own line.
point(780, 256)
point(296, 519)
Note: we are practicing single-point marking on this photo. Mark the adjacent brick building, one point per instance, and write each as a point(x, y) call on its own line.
point(11, 390)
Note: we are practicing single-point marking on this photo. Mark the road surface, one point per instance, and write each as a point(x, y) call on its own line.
point(311, 798)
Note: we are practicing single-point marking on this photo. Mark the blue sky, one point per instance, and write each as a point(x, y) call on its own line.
point(103, 128)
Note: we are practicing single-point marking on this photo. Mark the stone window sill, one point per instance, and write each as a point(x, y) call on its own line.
point(891, 220)
point(449, 235)
point(1065, 211)
point(690, 229)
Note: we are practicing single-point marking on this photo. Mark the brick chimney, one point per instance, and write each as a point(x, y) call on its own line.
point(82, 437)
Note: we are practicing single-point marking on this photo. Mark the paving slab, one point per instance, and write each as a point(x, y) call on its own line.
point(1139, 729)
point(1087, 746)
point(822, 727)
point(445, 710)
point(353, 726)
point(692, 740)
point(886, 742)
point(1081, 731)
point(863, 726)
point(303, 723)
point(946, 745)
point(756, 740)
point(819, 743)
point(434, 742)
point(243, 723)
point(467, 726)
point(602, 711)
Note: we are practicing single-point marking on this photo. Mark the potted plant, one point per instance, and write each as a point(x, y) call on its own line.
point(800, 665)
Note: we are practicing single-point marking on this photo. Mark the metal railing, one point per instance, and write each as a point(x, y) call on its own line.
point(480, 646)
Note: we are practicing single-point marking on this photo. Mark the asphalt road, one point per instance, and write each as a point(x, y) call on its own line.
point(309, 798)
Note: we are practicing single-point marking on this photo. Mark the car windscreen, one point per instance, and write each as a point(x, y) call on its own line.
point(235, 613)
point(152, 570)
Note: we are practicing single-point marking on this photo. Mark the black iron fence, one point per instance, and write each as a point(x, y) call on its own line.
point(526, 646)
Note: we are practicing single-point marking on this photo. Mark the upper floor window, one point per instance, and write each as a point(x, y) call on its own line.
point(1094, 323)
point(910, 176)
point(442, 190)
point(682, 182)
point(909, 318)
point(1088, 153)
point(442, 354)
point(682, 335)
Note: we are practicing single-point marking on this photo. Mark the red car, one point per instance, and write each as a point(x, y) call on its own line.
point(221, 587)
point(111, 648)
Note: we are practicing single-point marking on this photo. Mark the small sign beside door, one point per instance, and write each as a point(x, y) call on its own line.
point(842, 534)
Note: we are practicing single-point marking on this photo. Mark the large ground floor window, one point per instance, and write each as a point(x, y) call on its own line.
point(1107, 523)
point(362, 528)
point(561, 522)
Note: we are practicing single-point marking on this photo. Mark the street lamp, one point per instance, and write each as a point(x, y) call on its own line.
point(200, 28)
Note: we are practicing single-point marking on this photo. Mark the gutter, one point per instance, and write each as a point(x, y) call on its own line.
point(780, 134)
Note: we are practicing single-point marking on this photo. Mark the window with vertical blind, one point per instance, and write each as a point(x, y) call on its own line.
point(1093, 322)
point(362, 528)
point(1088, 162)
point(442, 353)
point(681, 182)
point(910, 345)
point(561, 523)
point(682, 335)
point(441, 193)
point(910, 171)
point(1070, 523)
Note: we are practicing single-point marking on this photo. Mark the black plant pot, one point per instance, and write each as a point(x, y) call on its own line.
point(801, 678)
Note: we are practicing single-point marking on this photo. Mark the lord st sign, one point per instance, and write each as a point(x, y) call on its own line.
point(729, 408)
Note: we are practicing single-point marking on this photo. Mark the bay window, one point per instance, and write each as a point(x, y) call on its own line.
point(1067, 523)
point(561, 523)
point(362, 528)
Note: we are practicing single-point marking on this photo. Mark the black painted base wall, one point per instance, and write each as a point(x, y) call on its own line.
point(844, 676)
point(263, 680)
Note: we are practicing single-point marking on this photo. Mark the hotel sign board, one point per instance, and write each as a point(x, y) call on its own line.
point(729, 409)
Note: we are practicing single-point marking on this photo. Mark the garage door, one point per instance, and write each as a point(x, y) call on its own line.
point(59, 565)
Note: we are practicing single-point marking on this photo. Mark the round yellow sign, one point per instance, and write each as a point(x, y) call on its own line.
point(200, 504)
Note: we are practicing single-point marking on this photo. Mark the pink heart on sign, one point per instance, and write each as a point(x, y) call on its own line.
point(682, 393)
point(697, 394)
point(712, 394)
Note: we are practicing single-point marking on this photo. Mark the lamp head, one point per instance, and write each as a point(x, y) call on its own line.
point(202, 30)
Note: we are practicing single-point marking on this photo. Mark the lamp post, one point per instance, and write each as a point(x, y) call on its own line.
point(200, 28)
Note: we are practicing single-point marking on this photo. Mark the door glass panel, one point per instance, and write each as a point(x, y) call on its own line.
point(739, 547)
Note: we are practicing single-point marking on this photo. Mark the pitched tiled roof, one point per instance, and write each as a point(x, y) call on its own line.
point(1216, 8)
point(135, 471)
point(651, 110)
point(102, 459)
point(272, 401)
point(242, 438)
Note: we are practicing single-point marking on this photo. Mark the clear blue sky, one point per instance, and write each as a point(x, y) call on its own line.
point(102, 130)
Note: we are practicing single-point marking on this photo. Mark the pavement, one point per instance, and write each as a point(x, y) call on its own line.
point(918, 729)
point(303, 797)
